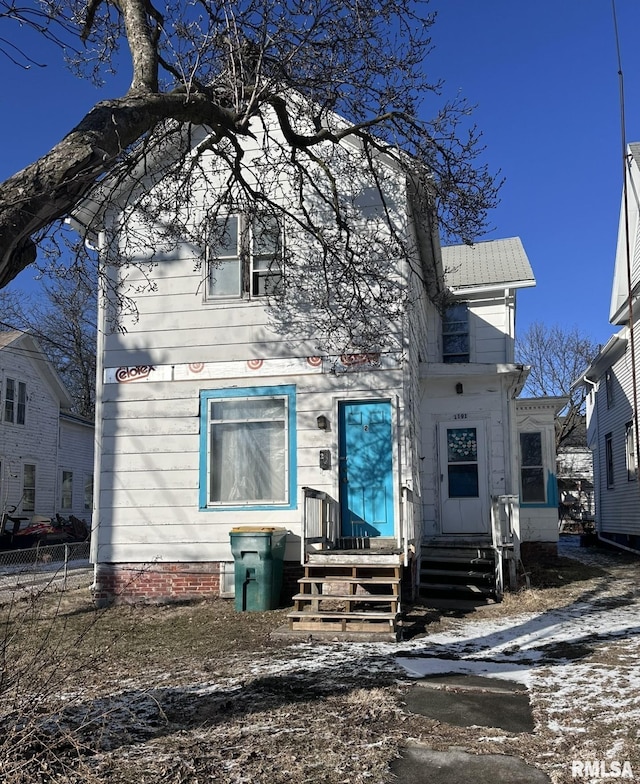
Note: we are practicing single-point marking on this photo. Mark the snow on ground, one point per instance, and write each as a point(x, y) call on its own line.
point(579, 662)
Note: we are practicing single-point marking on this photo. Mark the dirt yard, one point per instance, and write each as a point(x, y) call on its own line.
point(199, 693)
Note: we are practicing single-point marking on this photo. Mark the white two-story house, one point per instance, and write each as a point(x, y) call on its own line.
point(612, 384)
point(217, 410)
point(46, 452)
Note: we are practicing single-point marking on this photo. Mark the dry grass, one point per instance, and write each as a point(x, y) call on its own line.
point(198, 693)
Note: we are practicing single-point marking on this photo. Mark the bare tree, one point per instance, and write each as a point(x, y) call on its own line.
point(357, 70)
point(62, 319)
point(557, 357)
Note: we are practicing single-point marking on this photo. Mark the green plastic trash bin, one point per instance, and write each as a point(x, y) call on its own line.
point(258, 553)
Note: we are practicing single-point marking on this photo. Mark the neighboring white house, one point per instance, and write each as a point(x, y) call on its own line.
point(209, 417)
point(612, 383)
point(46, 453)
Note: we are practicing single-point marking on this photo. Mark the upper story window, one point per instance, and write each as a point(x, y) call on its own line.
point(455, 333)
point(245, 259)
point(532, 468)
point(608, 381)
point(15, 401)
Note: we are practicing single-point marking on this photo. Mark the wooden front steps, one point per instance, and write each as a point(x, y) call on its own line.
point(344, 597)
point(458, 572)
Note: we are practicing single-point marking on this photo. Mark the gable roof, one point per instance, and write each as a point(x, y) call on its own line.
point(493, 264)
point(29, 347)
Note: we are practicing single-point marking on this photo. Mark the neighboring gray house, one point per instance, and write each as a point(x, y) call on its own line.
point(46, 453)
point(378, 464)
point(612, 384)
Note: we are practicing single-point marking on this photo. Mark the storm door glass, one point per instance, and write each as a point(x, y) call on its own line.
point(462, 462)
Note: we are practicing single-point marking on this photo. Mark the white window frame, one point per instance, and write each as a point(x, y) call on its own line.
point(608, 460)
point(251, 270)
point(15, 404)
point(30, 488)
point(608, 382)
point(630, 447)
point(213, 261)
point(88, 492)
point(274, 259)
point(447, 331)
point(66, 495)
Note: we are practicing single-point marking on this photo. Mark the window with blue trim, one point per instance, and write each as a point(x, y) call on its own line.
point(248, 446)
point(532, 483)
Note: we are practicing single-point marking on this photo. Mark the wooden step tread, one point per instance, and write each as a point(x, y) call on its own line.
point(355, 580)
point(345, 597)
point(453, 587)
point(456, 560)
point(319, 614)
point(457, 573)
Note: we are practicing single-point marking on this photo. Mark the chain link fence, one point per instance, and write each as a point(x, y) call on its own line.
point(56, 567)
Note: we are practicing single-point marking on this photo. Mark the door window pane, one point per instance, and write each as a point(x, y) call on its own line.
point(462, 459)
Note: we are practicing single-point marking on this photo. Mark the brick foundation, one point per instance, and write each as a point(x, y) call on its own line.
point(162, 583)
point(155, 582)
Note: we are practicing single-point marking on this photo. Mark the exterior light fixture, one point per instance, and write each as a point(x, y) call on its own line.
point(323, 422)
point(459, 389)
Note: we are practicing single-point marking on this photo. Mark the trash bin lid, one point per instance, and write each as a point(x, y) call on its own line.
point(256, 529)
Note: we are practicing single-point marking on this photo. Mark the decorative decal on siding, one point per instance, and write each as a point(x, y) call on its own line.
point(251, 367)
point(125, 375)
point(348, 360)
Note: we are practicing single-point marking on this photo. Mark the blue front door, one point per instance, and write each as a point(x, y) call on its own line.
point(366, 469)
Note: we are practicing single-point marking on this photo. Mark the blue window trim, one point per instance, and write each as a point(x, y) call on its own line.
point(206, 395)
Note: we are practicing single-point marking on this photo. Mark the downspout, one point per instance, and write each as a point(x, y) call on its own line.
point(97, 446)
point(596, 488)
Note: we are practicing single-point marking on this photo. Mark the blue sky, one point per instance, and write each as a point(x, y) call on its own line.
point(544, 78)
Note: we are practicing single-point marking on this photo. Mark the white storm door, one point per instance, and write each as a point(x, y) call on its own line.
point(464, 481)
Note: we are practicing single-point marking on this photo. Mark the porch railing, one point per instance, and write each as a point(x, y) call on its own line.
point(319, 520)
point(505, 534)
point(407, 530)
